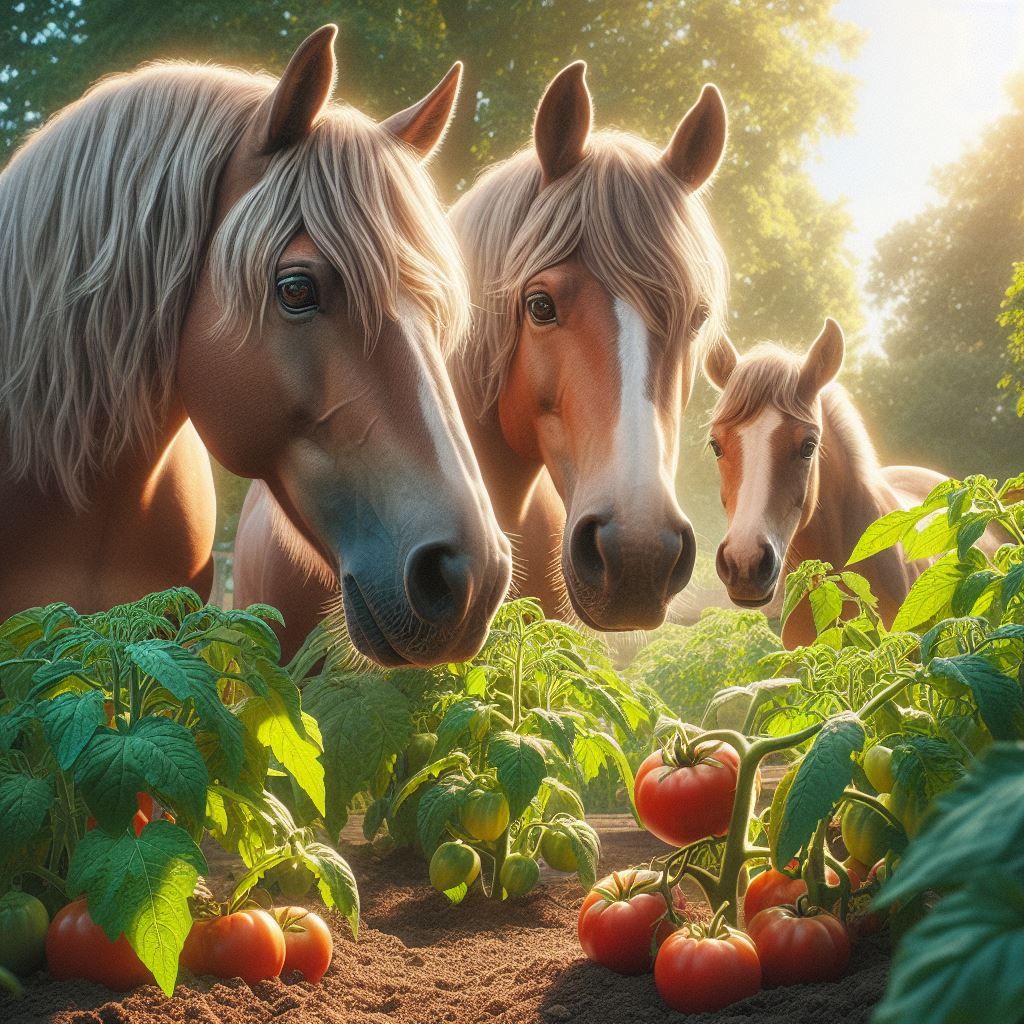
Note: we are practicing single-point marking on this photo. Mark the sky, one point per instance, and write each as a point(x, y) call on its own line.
point(932, 74)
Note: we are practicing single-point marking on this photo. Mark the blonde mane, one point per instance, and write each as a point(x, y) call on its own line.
point(106, 214)
point(768, 377)
point(634, 227)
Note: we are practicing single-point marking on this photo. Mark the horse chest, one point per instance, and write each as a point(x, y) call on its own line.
point(146, 527)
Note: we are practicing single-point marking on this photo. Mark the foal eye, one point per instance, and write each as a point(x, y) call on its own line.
point(541, 308)
point(808, 448)
point(716, 448)
point(297, 294)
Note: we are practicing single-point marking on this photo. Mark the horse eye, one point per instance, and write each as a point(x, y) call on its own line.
point(297, 294)
point(716, 448)
point(808, 448)
point(541, 308)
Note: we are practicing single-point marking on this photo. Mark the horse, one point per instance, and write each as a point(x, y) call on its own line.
point(199, 259)
point(593, 268)
point(799, 476)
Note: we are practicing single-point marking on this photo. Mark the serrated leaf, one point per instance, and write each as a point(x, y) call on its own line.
point(157, 755)
point(825, 771)
point(586, 847)
point(455, 725)
point(557, 728)
point(69, 722)
point(439, 806)
point(24, 805)
point(519, 761)
point(999, 698)
point(826, 605)
point(267, 612)
point(778, 808)
point(140, 887)
point(970, 590)
point(886, 532)
point(972, 529)
point(13, 723)
point(364, 722)
point(930, 594)
point(16, 676)
point(335, 881)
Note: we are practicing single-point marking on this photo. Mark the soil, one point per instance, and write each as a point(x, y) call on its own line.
point(420, 960)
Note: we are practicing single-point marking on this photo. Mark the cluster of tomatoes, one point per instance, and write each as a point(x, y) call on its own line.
point(631, 919)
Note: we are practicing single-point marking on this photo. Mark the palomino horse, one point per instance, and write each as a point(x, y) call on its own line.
point(800, 478)
point(594, 268)
point(196, 256)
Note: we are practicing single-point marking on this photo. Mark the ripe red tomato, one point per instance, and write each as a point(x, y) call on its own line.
point(702, 975)
point(76, 947)
point(797, 948)
point(248, 944)
point(772, 888)
point(681, 804)
point(618, 926)
point(308, 946)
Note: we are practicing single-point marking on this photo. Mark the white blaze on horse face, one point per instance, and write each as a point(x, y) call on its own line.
point(750, 519)
point(638, 434)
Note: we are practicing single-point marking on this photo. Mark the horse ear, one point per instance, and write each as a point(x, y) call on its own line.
point(562, 125)
point(423, 125)
point(697, 145)
point(823, 361)
point(720, 361)
point(305, 87)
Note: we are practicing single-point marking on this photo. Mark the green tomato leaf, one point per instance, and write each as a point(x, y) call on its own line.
point(825, 771)
point(886, 532)
point(455, 724)
point(959, 958)
point(778, 811)
point(439, 806)
point(931, 594)
point(24, 804)
point(558, 728)
point(140, 887)
point(157, 755)
point(13, 723)
point(521, 768)
point(999, 698)
point(70, 721)
point(335, 880)
point(826, 605)
point(586, 847)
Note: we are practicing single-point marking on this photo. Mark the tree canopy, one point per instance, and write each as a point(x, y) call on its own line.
point(941, 276)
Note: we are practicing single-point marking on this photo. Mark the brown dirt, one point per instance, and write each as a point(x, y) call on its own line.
point(421, 961)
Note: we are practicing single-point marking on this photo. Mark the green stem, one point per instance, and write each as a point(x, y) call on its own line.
point(500, 853)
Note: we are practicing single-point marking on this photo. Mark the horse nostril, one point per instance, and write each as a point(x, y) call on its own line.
point(768, 567)
point(723, 566)
point(682, 570)
point(585, 551)
point(438, 583)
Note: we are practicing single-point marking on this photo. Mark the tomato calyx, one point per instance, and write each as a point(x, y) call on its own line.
point(683, 752)
point(716, 928)
point(291, 919)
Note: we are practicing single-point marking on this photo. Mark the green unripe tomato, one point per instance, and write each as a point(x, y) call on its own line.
point(563, 802)
point(911, 812)
point(452, 865)
point(519, 874)
point(556, 849)
point(867, 835)
point(293, 879)
point(417, 753)
point(23, 924)
point(485, 815)
point(878, 768)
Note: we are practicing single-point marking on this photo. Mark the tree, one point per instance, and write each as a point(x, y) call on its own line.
point(941, 276)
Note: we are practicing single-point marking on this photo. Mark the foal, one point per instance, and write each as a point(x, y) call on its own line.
point(799, 476)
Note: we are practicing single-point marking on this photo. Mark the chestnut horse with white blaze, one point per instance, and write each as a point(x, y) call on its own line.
point(197, 258)
point(593, 269)
point(799, 476)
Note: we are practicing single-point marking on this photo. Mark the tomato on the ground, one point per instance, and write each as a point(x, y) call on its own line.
point(248, 944)
point(621, 921)
point(682, 804)
point(519, 874)
point(485, 815)
point(308, 946)
point(556, 849)
point(797, 948)
point(23, 925)
point(703, 975)
point(452, 865)
point(76, 947)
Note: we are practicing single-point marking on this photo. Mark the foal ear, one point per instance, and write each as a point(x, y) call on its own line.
point(423, 125)
point(307, 83)
point(823, 361)
point(696, 147)
point(720, 361)
point(562, 125)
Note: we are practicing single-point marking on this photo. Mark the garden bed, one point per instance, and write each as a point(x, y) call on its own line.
point(421, 961)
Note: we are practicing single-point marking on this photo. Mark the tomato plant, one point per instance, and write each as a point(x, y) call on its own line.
point(23, 925)
point(685, 793)
point(128, 735)
point(623, 919)
point(703, 970)
point(797, 946)
point(308, 946)
point(77, 947)
point(246, 944)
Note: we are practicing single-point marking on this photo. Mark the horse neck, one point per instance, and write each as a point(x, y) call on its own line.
point(850, 492)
